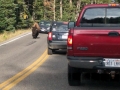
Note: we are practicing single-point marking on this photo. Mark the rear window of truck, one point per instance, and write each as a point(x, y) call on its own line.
point(101, 17)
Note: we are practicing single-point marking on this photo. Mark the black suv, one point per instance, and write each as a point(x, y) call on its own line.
point(57, 37)
point(44, 26)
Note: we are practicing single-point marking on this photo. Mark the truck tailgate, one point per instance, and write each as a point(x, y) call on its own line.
point(96, 42)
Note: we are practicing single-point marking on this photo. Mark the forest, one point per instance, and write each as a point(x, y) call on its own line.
point(19, 14)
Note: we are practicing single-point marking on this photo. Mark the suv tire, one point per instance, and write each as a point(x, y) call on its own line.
point(74, 76)
point(50, 52)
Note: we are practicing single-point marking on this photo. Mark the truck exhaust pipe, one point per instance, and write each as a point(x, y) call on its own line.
point(112, 74)
point(100, 71)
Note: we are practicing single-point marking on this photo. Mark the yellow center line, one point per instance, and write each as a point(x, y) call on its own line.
point(25, 75)
point(23, 71)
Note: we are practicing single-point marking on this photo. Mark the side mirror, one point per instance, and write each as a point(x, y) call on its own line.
point(71, 24)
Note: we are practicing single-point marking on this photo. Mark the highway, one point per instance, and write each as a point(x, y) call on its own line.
point(25, 65)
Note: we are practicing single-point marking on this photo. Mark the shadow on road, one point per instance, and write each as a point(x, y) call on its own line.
point(61, 52)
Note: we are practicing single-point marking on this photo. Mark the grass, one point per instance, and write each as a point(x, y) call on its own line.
point(7, 34)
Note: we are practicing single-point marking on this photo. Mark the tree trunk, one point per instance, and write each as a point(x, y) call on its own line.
point(60, 9)
point(78, 4)
point(54, 9)
point(78, 9)
point(95, 1)
point(70, 3)
point(91, 1)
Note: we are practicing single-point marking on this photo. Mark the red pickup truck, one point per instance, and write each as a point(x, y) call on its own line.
point(93, 43)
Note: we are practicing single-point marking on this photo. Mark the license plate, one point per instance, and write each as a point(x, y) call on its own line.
point(64, 36)
point(42, 29)
point(112, 62)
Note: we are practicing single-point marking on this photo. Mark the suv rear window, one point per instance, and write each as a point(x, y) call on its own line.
point(59, 27)
point(101, 17)
point(62, 28)
point(45, 24)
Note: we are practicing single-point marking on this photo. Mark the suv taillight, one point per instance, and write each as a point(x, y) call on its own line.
point(50, 36)
point(70, 40)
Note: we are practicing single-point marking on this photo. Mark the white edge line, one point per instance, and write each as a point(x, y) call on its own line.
point(14, 39)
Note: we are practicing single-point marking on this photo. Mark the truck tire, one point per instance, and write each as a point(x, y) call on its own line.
point(50, 52)
point(74, 76)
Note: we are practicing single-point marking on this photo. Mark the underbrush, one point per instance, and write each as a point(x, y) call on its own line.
point(9, 34)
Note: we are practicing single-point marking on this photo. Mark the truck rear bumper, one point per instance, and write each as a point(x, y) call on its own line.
point(88, 63)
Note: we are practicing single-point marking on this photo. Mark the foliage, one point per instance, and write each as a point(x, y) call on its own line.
point(118, 1)
point(38, 9)
point(24, 14)
point(17, 14)
point(7, 16)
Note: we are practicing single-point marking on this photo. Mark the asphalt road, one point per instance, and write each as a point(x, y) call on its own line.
point(51, 74)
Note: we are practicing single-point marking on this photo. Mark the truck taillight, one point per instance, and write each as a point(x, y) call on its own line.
point(50, 36)
point(70, 40)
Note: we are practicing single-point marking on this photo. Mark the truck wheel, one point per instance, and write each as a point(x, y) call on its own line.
point(74, 76)
point(50, 52)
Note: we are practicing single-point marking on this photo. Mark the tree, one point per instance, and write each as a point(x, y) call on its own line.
point(7, 16)
point(118, 1)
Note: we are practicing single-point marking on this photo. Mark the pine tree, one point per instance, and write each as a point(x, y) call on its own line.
point(7, 16)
